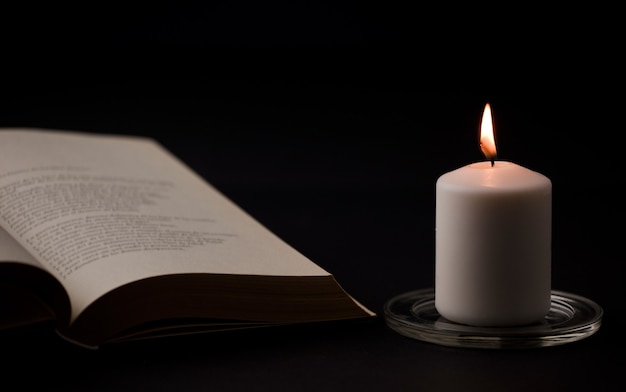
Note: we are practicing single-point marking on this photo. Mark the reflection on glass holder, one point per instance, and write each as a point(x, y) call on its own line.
point(570, 318)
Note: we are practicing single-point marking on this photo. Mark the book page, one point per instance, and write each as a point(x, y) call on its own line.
point(99, 211)
point(12, 251)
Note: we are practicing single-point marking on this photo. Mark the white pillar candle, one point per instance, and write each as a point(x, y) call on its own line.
point(493, 242)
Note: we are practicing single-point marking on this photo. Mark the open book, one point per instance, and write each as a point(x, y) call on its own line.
point(114, 238)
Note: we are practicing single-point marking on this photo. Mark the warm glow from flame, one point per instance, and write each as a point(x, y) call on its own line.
point(487, 141)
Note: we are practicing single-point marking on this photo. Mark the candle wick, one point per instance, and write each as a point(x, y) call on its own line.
point(492, 162)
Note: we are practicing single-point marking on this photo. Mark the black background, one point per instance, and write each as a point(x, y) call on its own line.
point(330, 123)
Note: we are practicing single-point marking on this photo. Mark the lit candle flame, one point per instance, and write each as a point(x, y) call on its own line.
point(487, 141)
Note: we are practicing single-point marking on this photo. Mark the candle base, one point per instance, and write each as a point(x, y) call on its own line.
point(571, 318)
